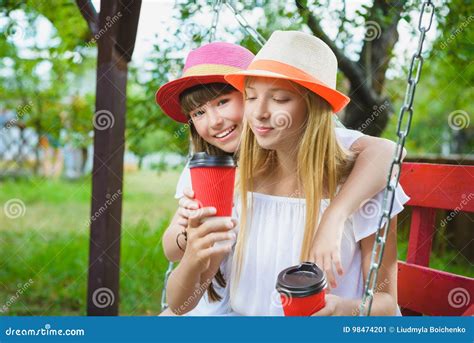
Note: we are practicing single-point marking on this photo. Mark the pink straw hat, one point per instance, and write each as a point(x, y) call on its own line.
point(206, 64)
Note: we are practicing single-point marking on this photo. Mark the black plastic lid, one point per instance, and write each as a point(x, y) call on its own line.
point(201, 159)
point(302, 280)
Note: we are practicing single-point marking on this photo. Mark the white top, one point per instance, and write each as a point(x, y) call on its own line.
point(345, 138)
point(274, 240)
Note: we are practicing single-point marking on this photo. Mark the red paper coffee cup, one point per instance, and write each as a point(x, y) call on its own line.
point(302, 289)
point(213, 179)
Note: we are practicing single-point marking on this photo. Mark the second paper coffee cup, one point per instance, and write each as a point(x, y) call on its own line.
point(213, 179)
point(302, 289)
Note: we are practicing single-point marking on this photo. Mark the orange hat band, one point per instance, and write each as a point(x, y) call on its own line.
point(283, 68)
point(210, 69)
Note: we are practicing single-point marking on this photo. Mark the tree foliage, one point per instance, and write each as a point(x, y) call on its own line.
point(49, 75)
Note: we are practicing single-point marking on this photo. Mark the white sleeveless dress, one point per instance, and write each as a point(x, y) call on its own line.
point(274, 239)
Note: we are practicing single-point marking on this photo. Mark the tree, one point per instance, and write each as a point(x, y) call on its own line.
point(148, 129)
point(41, 75)
point(442, 122)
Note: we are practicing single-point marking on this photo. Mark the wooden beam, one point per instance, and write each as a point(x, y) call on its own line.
point(434, 292)
point(449, 187)
point(109, 144)
point(90, 14)
point(422, 230)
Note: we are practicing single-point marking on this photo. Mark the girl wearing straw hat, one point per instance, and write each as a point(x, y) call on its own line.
point(289, 144)
point(214, 111)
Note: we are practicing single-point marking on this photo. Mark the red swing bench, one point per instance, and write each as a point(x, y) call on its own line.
point(423, 290)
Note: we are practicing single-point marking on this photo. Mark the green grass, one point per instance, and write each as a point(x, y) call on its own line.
point(49, 245)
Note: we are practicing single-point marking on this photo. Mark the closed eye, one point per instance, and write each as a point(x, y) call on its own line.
point(281, 100)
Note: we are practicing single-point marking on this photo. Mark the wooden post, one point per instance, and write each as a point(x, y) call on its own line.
point(422, 230)
point(114, 30)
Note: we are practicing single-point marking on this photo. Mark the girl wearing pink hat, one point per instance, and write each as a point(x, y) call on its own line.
point(214, 111)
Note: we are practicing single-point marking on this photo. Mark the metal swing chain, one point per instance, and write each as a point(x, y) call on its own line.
point(244, 23)
point(215, 19)
point(164, 303)
point(402, 132)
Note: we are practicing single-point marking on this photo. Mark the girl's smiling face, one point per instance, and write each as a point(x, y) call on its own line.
point(219, 121)
point(276, 111)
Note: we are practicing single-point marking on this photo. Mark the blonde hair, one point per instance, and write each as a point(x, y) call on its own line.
point(322, 165)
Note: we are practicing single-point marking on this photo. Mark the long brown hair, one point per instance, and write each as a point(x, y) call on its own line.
point(191, 99)
point(322, 165)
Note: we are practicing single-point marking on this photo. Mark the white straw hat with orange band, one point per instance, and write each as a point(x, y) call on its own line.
point(298, 57)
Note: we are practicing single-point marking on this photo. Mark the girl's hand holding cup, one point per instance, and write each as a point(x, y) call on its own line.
point(208, 209)
point(202, 236)
point(332, 308)
point(186, 204)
